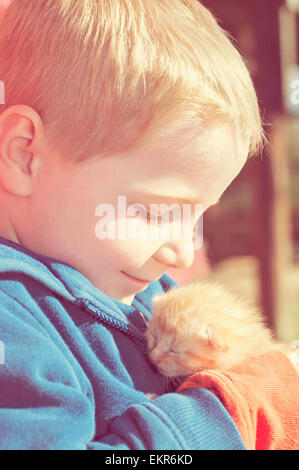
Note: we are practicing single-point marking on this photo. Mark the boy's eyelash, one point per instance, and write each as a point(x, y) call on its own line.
point(146, 214)
point(155, 217)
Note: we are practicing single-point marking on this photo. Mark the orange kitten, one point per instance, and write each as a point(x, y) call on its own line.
point(204, 326)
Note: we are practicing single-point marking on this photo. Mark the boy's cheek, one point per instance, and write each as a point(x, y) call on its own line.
point(128, 254)
point(127, 238)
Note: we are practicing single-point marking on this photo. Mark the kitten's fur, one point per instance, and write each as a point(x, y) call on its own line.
point(204, 326)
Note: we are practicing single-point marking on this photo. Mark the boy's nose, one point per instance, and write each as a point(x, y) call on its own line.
point(176, 253)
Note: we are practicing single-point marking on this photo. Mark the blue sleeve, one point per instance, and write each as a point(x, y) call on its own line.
point(44, 406)
point(41, 404)
point(192, 420)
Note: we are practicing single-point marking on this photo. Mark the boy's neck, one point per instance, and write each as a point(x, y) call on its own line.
point(7, 229)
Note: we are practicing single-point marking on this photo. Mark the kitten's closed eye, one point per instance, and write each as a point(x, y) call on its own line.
point(173, 351)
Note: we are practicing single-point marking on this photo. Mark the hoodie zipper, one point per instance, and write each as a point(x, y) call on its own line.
point(104, 317)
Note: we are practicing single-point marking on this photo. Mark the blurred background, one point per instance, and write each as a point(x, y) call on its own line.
point(251, 238)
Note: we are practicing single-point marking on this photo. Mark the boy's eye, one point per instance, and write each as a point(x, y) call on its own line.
point(153, 217)
point(148, 215)
point(165, 218)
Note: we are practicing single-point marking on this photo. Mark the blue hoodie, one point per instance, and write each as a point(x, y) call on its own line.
point(75, 370)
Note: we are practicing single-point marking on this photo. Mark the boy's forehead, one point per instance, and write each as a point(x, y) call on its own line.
point(180, 164)
point(174, 164)
point(184, 149)
point(190, 155)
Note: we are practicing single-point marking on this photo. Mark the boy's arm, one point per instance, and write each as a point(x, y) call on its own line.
point(191, 420)
point(43, 405)
point(261, 394)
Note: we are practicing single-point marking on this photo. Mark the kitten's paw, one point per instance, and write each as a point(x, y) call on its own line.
point(151, 396)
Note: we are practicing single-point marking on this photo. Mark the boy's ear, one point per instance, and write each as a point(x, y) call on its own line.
point(19, 127)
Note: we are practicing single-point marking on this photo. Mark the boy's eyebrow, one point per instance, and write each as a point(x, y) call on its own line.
point(151, 196)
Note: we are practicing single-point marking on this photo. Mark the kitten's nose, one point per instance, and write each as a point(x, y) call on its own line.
point(156, 357)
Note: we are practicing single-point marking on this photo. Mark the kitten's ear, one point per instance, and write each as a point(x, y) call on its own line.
point(210, 335)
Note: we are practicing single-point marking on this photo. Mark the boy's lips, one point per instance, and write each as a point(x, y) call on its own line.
point(145, 281)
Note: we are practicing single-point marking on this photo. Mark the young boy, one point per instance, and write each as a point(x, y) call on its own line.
point(147, 100)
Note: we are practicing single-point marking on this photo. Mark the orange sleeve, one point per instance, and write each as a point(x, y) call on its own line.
point(262, 396)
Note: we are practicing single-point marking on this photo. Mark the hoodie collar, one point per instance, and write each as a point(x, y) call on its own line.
point(67, 282)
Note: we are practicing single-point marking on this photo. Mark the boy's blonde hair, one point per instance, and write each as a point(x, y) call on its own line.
point(102, 72)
